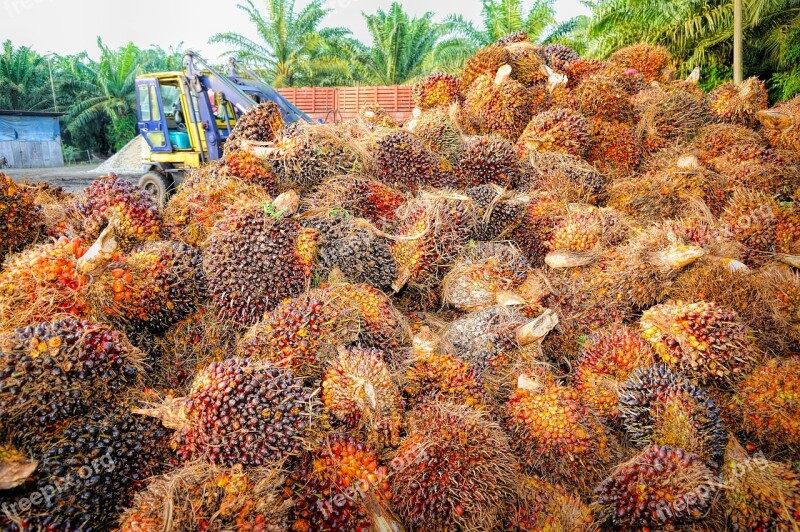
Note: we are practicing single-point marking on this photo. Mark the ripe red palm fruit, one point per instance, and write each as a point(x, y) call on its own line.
point(662, 486)
point(498, 105)
point(110, 198)
point(401, 160)
point(556, 435)
point(252, 169)
point(559, 56)
point(615, 149)
point(756, 167)
point(608, 357)
point(359, 391)
point(738, 104)
point(454, 469)
point(21, 221)
point(558, 130)
point(768, 401)
point(651, 61)
point(485, 61)
point(487, 159)
point(442, 377)
point(668, 117)
point(581, 69)
point(600, 96)
point(541, 506)
point(714, 140)
point(360, 196)
point(751, 217)
point(437, 90)
point(701, 339)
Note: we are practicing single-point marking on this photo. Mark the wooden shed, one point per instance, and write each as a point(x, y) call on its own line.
point(334, 104)
point(30, 139)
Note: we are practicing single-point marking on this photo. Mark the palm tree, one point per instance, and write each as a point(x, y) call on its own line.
point(24, 80)
point(292, 45)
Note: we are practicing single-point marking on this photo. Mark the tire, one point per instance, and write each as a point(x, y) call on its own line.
point(158, 185)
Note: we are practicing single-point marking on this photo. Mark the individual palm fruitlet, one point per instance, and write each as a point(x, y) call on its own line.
point(21, 221)
point(454, 469)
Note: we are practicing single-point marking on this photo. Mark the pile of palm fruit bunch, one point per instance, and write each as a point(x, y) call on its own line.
point(562, 295)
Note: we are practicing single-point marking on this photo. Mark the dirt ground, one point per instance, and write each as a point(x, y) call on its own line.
point(70, 178)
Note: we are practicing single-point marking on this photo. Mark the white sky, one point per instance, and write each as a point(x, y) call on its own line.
point(71, 26)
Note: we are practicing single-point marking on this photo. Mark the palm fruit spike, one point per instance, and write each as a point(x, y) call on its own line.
point(487, 159)
point(359, 254)
point(230, 402)
point(190, 498)
point(556, 435)
point(760, 494)
point(375, 115)
point(454, 470)
point(435, 375)
point(262, 123)
point(615, 149)
point(601, 96)
point(558, 56)
point(89, 472)
point(306, 155)
point(431, 230)
point(738, 104)
point(702, 339)
point(250, 168)
point(21, 221)
point(255, 258)
point(150, 289)
point(42, 283)
point(526, 64)
point(565, 176)
point(133, 211)
point(780, 286)
point(337, 487)
point(401, 160)
point(668, 117)
point(768, 401)
point(651, 61)
point(201, 201)
point(779, 124)
point(751, 217)
point(300, 334)
point(486, 61)
point(557, 130)
point(436, 90)
point(641, 271)
point(608, 357)
point(56, 371)
point(438, 132)
point(659, 407)
point(714, 140)
point(499, 105)
point(491, 273)
point(660, 487)
point(541, 506)
point(359, 391)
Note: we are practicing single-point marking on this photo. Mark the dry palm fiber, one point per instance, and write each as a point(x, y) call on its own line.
point(359, 195)
point(738, 104)
point(567, 177)
point(780, 286)
point(53, 203)
point(780, 125)
point(667, 117)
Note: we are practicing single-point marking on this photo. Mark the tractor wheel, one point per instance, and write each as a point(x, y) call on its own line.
point(158, 185)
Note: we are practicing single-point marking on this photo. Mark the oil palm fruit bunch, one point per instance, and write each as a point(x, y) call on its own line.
point(487, 159)
point(231, 402)
point(358, 390)
point(401, 160)
point(437, 90)
point(21, 221)
point(454, 470)
point(651, 61)
point(359, 195)
point(659, 407)
point(760, 494)
point(431, 230)
point(304, 156)
point(89, 471)
point(701, 339)
point(486, 61)
point(601, 96)
point(490, 273)
point(208, 497)
point(556, 435)
point(583, 68)
point(768, 401)
point(200, 202)
point(717, 139)
point(500, 210)
point(438, 132)
point(360, 255)
point(376, 116)
point(558, 130)
point(498, 104)
point(754, 166)
point(526, 63)
point(255, 258)
point(779, 125)
point(341, 486)
point(751, 217)
point(643, 491)
point(51, 372)
point(580, 229)
point(565, 176)
point(607, 358)
point(615, 147)
point(559, 56)
point(150, 289)
point(540, 506)
point(53, 203)
point(111, 198)
point(261, 123)
point(250, 168)
point(781, 287)
point(738, 104)
point(42, 283)
point(668, 117)
point(542, 214)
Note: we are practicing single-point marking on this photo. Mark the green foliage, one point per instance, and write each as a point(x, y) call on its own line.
point(24, 80)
